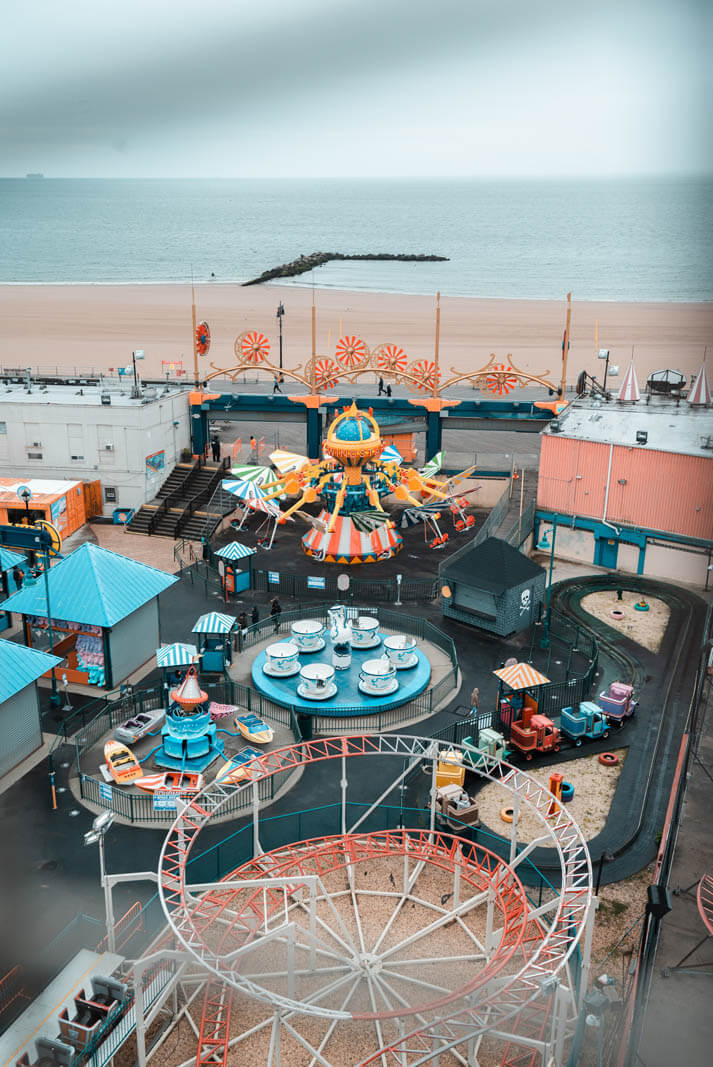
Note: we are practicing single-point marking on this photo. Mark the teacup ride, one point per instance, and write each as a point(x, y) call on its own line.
point(365, 632)
point(281, 659)
point(317, 682)
point(377, 677)
point(308, 635)
point(401, 650)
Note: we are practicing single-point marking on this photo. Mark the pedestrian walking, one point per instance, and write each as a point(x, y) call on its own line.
point(381, 386)
point(276, 385)
point(388, 390)
point(19, 576)
point(474, 700)
point(275, 612)
point(255, 615)
point(253, 448)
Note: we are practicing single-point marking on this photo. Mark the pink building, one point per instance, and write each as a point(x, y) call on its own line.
point(631, 486)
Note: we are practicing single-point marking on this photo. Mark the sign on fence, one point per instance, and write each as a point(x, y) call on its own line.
point(273, 577)
point(314, 582)
point(164, 801)
point(105, 792)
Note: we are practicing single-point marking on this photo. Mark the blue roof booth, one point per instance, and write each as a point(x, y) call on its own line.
point(493, 587)
point(105, 615)
point(20, 724)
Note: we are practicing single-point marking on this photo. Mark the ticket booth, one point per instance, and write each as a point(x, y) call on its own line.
point(214, 633)
point(235, 567)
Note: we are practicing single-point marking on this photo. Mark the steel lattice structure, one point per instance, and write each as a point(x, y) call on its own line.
point(516, 971)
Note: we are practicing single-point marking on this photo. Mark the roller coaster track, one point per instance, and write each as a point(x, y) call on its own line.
point(492, 997)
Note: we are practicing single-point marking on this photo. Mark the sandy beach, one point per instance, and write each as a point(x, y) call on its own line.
point(98, 326)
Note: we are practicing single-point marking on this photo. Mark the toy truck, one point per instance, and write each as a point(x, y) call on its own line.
point(587, 722)
point(618, 704)
point(534, 733)
point(490, 748)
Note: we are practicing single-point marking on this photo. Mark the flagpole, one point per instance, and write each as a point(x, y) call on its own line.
point(195, 339)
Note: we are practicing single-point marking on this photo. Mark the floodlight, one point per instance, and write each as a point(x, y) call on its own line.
point(102, 822)
point(603, 353)
point(91, 837)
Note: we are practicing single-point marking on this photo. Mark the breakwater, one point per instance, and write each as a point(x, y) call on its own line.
point(315, 259)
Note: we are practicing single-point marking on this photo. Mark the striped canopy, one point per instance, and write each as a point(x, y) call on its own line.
point(431, 469)
point(629, 387)
point(235, 551)
point(247, 473)
point(215, 622)
point(267, 507)
point(347, 544)
point(287, 462)
point(176, 655)
point(242, 488)
point(521, 676)
point(391, 454)
point(700, 393)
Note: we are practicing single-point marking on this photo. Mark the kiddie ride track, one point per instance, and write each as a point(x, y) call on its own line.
point(302, 930)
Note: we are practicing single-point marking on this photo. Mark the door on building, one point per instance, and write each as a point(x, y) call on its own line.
point(606, 553)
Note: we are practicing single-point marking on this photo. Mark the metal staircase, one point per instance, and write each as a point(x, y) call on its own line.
point(180, 507)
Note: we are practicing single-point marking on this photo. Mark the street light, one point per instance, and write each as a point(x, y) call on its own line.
point(95, 836)
point(543, 544)
point(280, 313)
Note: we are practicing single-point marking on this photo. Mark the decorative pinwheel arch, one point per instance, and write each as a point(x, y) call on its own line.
point(353, 358)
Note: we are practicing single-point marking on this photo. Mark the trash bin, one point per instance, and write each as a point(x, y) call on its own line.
point(305, 724)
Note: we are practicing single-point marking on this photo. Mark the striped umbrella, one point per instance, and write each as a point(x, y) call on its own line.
point(629, 387)
point(242, 488)
point(235, 550)
point(176, 655)
point(215, 622)
point(248, 473)
point(287, 462)
point(700, 393)
point(430, 469)
point(391, 454)
point(267, 507)
point(521, 676)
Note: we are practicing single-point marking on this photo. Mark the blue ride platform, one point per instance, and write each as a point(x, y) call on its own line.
point(348, 700)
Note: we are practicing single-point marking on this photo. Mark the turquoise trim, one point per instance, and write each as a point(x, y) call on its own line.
point(627, 534)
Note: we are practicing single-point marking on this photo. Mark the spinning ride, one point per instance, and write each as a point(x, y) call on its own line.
point(355, 473)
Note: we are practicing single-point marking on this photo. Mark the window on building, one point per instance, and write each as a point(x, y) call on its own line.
point(3, 427)
point(110, 494)
point(77, 457)
point(34, 455)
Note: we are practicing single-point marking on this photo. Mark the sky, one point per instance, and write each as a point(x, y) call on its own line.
point(356, 88)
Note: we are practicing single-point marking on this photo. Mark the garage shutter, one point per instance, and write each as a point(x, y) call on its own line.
point(476, 600)
point(20, 732)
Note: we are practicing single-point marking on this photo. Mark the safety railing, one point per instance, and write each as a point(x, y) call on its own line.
point(383, 590)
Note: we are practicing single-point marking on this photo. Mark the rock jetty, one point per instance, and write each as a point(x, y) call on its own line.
point(315, 259)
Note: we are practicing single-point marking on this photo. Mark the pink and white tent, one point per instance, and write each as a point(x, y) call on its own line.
point(347, 544)
point(700, 394)
point(629, 391)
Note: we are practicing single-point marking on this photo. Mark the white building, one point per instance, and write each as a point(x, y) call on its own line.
point(94, 432)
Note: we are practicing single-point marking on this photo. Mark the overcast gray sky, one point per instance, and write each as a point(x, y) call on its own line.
point(231, 88)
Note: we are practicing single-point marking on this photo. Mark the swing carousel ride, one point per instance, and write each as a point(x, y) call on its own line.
point(357, 470)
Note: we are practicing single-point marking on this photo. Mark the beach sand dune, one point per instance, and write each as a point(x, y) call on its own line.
point(98, 326)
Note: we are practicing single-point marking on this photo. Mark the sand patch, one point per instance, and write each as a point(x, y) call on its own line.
point(594, 787)
point(645, 627)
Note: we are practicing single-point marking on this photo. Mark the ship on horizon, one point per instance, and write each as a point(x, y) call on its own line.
point(34, 174)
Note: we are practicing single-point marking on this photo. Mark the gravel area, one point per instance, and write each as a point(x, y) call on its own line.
point(645, 627)
point(594, 787)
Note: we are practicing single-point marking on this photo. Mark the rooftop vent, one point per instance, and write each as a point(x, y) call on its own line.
point(641, 437)
point(106, 399)
point(555, 426)
point(707, 442)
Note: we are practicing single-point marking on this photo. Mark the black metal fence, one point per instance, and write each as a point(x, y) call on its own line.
point(381, 590)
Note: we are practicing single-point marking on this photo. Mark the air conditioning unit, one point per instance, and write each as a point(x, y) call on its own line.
point(109, 447)
point(641, 437)
point(106, 399)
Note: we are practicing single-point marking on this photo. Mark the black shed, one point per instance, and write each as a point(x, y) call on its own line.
point(494, 587)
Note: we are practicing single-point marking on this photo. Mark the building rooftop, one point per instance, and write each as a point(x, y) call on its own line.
point(669, 426)
point(493, 565)
point(19, 666)
point(88, 395)
point(44, 490)
point(92, 586)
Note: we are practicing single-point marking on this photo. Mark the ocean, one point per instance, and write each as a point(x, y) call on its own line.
point(625, 239)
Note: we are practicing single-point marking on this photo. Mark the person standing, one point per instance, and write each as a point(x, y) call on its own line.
point(388, 390)
point(474, 701)
point(255, 615)
point(215, 446)
point(253, 449)
point(19, 576)
point(275, 612)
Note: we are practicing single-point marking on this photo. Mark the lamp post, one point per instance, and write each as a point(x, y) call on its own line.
point(96, 836)
point(606, 857)
point(544, 544)
point(280, 313)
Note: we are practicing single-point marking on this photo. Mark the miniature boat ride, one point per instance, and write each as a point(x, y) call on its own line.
point(235, 770)
point(171, 782)
point(139, 726)
point(122, 763)
point(254, 729)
